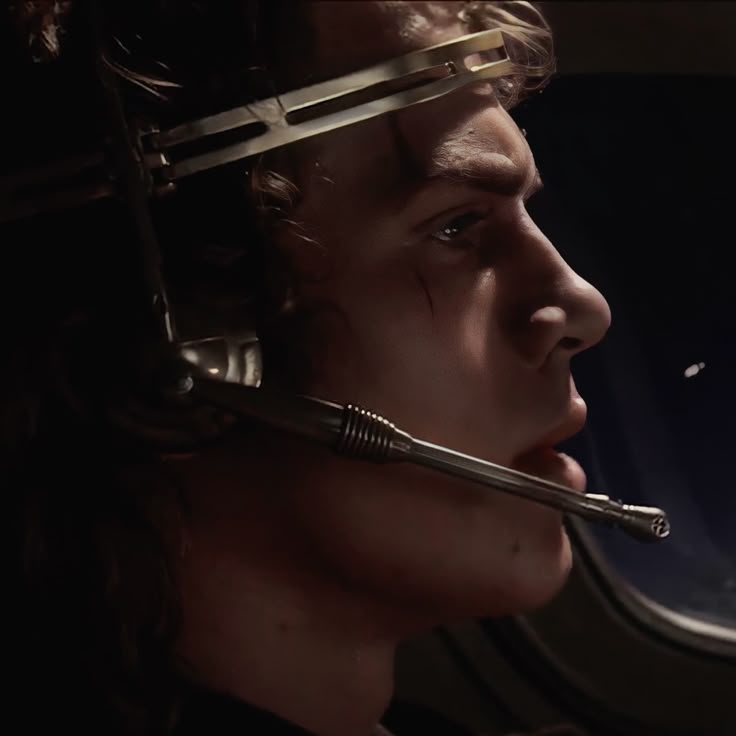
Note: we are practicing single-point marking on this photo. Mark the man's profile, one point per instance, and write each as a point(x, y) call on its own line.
point(249, 578)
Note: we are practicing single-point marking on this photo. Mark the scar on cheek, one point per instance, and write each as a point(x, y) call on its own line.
point(423, 286)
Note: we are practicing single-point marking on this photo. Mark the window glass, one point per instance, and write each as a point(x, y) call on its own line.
point(640, 199)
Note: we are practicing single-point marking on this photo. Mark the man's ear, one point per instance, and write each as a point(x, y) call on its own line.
point(165, 416)
point(131, 389)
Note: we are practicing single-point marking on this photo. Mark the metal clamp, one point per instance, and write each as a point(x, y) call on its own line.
point(327, 106)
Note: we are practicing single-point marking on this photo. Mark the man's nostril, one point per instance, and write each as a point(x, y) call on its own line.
point(570, 343)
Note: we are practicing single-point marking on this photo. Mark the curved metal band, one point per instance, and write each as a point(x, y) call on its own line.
point(266, 124)
point(273, 113)
point(317, 94)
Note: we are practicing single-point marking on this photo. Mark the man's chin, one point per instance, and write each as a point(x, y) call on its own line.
point(547, 580)
point(529, 585)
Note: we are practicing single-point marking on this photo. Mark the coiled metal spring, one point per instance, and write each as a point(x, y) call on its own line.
point(365, 435)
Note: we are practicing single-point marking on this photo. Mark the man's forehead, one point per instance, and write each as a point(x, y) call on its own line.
point(383, 164)
point(389, 155)
point(350, 35)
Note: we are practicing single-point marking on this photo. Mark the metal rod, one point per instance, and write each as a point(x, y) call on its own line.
point(358, 433)
point(133, 181)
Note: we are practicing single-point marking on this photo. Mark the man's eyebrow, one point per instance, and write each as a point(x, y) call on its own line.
point(493, 173)
point(483, 170)
point(501, 177)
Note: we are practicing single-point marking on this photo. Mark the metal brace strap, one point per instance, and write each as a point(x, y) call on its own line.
point(274, 113)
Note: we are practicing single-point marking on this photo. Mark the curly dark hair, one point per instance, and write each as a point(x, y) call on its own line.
point(93, 512)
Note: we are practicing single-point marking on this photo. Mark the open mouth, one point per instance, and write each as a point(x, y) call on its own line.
point(554, 466)
point(545, 462)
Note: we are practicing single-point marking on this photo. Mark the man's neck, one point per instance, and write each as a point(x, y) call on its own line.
point(285, 653)
point(265, 617)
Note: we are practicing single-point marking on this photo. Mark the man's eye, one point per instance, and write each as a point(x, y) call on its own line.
point(457, 226)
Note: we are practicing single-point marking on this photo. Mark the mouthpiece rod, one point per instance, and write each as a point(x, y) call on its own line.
point(645, 523)
point(355, 432)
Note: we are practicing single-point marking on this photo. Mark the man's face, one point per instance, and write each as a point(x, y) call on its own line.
point(439, 304)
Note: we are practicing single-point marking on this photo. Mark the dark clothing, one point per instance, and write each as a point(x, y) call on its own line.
point(216, 714)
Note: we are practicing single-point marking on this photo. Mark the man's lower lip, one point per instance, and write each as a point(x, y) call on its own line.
point(554, 466)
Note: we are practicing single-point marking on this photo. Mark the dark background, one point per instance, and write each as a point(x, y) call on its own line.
point(640, 199)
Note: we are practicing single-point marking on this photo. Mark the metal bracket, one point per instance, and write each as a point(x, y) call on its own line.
point(327, 106)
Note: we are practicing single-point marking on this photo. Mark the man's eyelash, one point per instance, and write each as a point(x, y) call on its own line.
point(455, 227)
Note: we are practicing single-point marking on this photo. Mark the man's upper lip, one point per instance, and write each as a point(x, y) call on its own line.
point(571, 424)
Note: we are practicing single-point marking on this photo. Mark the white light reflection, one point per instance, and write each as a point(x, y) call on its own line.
point(694, 369)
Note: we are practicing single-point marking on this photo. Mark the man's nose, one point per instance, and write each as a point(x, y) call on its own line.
point(553, 312)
